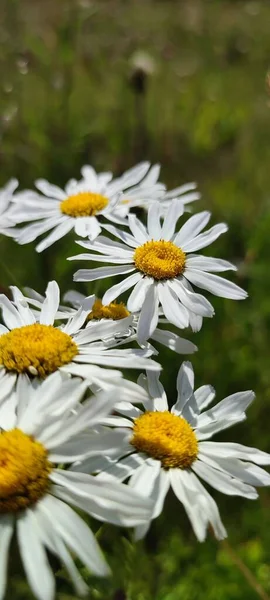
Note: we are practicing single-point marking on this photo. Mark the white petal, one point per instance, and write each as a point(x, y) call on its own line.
point(195, 303)
point(138, 230)
point(185, 490)
point(101, 273)
point(204, 395)
point(148, 318)
point(156, 391)
point(76, 534)
point(175, 210)
point(34, 557)
point(153, 221)
point(223, 482)
point(202, 506)
point(245, 471)
point(59, 232)
point(206, 263)
point(128, 239)
point(215, 284)
point(205, 238)
point(50, 304)
point(231, 407)
point(115, 291)
point(55, 544)
point(173, 341)
point(231, 449)
point(192, 227)
point(50, 190)
point(87, 226)
point(11, 316)
point(185, 386)
point(137, 296)
point(173, 310)
point(122, 505)
point(6, 531)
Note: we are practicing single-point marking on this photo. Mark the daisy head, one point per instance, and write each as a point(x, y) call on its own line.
point(116, 311)
point(161, 266)
point(35, 494)
point(81, 205)
point(165, 447)
point(32, 343)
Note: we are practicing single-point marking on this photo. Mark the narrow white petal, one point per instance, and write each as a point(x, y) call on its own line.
point(121, 287)
point(185, 490)
point(206, 263)
point(185, 386)
point(216, 285)
point(137, 296)
point(87, 226)
point(59, 232)
point(11, 316)
point(195, 303)
point(101, 273)
point(245, 471)
point(230, 407)
point(233, 450)
point(173, 341)
point(192, 227)
point(6, 531)
point(34, 557)
point(206, 238)
point(50, 190)
point(174, 311)
point(153, 221)
point(76, 534)
point(175, 210)
point(223, 482)
point(138, 229)
point(50, 304)
point(148, 318)
point(204, 395)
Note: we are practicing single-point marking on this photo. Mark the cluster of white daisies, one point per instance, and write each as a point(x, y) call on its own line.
point(75, 434)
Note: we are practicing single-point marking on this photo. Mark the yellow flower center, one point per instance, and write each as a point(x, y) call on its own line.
point(114, 310)
point(167, 438)
point(36, 349)
point(24, 471)
point(84, 204)
point(161, 260)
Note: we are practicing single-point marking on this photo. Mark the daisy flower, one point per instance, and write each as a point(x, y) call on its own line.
point(161, 266)
point(79, 206)
point(6, 196)
point(35, 495)
point(116, 311)
point(149, 190)
point(163, 448)
point(31, 343)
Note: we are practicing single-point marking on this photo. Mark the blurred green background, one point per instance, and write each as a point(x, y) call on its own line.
point(71, 95)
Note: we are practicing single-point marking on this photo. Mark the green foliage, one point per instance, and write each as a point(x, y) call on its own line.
point(68, 99)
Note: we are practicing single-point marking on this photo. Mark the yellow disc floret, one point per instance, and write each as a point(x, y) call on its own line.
point(161, 259)
point(24, 471)
point(114, 311)
point(36, 349)
point(84, 204)
point(165, 437)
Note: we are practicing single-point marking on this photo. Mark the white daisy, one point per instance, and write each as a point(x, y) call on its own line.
point(162, 267)
point(162, 449)
point(31, 343)
point(148, 190)
point(79, 206)
point(6, 196)
point(116, 311)
point(35, 495)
